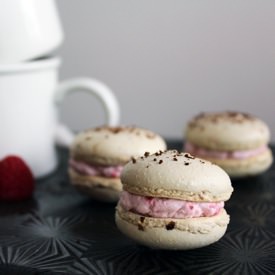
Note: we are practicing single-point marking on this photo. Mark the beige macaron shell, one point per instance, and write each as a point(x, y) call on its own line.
point(99, 188)
point(246, 167)
point(227, 131)
point(183, 234)
point(176, 175)
point(112, 146)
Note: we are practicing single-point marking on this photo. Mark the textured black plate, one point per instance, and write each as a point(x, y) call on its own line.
point(61, 231)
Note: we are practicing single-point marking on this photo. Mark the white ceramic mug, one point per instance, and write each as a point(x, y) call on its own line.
point(28, 29)
point(29, 100)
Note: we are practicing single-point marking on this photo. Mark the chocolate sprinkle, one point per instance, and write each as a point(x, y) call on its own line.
point(146, 154)
point(142, 219)
point(189, 156)
point(159, 153)
point(150, 135)
point(134, 160)
point(161, 161)
point(170, 225)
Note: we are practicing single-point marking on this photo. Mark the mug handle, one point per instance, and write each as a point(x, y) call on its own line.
point(65, 136)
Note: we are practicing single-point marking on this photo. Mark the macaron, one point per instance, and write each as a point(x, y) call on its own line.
point(174, 201)
point(237, 142)
point(97, 157)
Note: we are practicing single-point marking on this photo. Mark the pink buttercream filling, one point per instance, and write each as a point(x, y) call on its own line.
point(168, 208)
point(83, 168)
point(202, 152)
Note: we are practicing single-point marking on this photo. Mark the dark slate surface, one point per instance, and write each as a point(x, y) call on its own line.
point(61, 231)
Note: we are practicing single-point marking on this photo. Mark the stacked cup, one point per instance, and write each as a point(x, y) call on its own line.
point(30, 94)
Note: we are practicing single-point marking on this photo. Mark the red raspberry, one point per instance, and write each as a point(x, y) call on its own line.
point(16, 179)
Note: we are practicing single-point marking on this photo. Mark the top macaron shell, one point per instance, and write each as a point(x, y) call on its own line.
point(114, 145)
point(227, 131)
point(176, 175)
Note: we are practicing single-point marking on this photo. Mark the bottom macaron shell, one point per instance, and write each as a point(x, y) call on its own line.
point(245, 167)
point(172, 234)
point(98, 188)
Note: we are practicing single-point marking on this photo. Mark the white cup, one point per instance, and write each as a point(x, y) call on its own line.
point(29, 100)
point(28, 29)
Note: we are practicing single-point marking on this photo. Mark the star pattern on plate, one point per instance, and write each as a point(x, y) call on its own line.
point(235, 253)
point(32, 260)
point(88, 266)
point(56, 235)
point(256, 219)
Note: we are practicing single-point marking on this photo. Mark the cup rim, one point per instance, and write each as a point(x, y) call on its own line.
point(37, 64)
